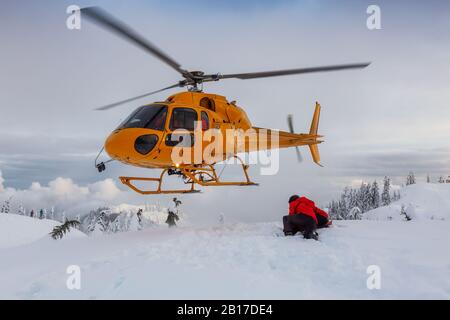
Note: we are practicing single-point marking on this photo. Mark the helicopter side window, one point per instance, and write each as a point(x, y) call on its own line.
point(205, 121)
point(183, 118)
point(150, 117)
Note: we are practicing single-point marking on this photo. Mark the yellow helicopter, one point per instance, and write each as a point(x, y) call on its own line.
point(171, 135)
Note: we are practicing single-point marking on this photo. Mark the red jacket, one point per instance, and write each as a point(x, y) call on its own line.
point(307, 207)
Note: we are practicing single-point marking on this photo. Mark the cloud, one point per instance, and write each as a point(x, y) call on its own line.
point(64, 194)
point(104, 190)
point(2, 188)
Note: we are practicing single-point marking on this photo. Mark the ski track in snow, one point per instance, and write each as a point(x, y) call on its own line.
point(238, 261)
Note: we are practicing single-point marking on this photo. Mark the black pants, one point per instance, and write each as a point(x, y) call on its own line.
point(323, 222)
point(299, 223)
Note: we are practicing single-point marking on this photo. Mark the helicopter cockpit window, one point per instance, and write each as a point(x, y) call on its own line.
point(150, 117)
point(183, 118)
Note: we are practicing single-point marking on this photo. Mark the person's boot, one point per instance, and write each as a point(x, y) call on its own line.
point(311, 235)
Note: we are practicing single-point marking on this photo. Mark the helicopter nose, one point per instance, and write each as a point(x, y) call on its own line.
point(130, 144)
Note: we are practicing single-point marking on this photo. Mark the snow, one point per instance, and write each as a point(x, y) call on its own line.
point(237, 260)
point(424, 201)
point(16, 230)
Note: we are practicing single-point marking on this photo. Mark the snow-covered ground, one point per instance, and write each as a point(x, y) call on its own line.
point(230, 261)
point(16, 230)
point(237, 260)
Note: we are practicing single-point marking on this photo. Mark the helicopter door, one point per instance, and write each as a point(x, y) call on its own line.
point(182, 119)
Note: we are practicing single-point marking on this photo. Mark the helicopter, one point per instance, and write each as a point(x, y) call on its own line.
point(169, 135)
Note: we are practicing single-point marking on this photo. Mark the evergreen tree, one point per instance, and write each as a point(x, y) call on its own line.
point(22, 210)
point(59, 231)
point(375, 195)
point(355, 214)
point(441, 179)
point(386, 195)
point(367, 198)
point(353, 199)
point(6, 207)
point(410, 179)
point(428, 178)
point(102, 222)
point(335, 209)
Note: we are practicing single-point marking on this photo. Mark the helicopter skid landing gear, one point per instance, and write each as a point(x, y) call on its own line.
point(204, 175)
point(127, 181)
point(207, 176)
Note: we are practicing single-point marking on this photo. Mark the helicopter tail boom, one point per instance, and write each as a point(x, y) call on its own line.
point(290, 139)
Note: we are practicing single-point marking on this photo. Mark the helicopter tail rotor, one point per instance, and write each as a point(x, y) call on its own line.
point(291, 130)
point(313, 136)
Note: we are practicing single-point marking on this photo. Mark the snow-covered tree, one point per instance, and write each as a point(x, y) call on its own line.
point(386, 195)
point(6, 207)
point(428, 178)
point(396, 196)
point(441, 179)
point(102, 222)
point(355, 214)
point(410, 179)
point(342, 206)
point(404, 212)
point(22, 210)
point(365, 198)
point(375, 195)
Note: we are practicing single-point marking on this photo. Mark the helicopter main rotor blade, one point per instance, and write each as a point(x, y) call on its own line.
point(276, 73)
point(115, 104)
point(104, 19)
point(291, 130)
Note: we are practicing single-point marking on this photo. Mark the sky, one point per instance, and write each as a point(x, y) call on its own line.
point(388, 119)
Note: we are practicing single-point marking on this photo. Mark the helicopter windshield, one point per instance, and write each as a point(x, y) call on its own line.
point(150, 117)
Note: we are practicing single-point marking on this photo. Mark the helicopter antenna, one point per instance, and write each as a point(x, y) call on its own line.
point(191, 79)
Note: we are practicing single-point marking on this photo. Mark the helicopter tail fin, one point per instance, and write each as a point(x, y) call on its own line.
point(315, 120)
point(313, 131)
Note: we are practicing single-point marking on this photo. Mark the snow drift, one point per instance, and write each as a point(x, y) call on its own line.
point(16, 230)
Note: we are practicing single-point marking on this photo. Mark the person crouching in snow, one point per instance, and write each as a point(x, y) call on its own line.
point(304, 217)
